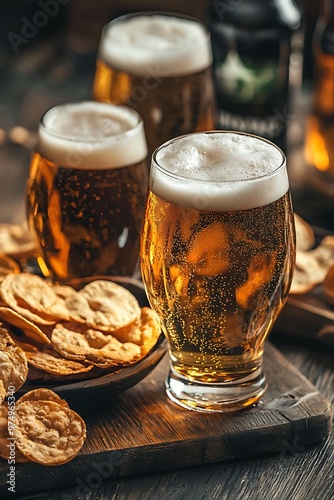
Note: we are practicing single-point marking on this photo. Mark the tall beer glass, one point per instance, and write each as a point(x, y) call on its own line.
point(87, 189)
point(217, 259)
point(159, 64)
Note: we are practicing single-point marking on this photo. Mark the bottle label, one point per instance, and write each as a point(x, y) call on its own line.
point(270, 126)
point(248, 80)
point(251, 71)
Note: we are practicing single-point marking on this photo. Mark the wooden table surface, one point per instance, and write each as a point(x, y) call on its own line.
point(297, 474)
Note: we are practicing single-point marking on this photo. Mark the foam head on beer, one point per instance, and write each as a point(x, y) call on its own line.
point(158, 45)
point(92, 135)
point(219, 171)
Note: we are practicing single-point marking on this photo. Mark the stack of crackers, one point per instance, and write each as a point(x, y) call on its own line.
point(46, 431)
point(51, 333)
point(65, 333)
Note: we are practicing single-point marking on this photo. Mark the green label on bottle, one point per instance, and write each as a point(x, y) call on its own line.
point(246, 80)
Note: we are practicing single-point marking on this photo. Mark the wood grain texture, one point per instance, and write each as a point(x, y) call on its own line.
point(143, 432)
point(292, 474)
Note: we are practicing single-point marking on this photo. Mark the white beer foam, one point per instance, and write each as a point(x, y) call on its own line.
point(156, 45)
point(92, 135)
point(219, 171)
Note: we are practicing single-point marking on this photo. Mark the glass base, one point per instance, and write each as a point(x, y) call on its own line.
point(222, 397)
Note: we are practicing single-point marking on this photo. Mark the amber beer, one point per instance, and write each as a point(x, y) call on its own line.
point(160, 65)
point(87, 189)
point(217, 258)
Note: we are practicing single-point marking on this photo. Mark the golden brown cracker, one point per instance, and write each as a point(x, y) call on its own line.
point(80, 342)
point(52, 362)
point(41, 394)
point(144, 332)
point(48, 432)
point(8, 448)
point(79, 308)
point(33, 293)
point(30, 330)
point(8, 296)
point(13, 362)
point(114, 307)
point(312, 267)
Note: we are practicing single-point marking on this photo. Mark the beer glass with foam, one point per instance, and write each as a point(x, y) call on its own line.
point(217, 259)
point(87, 189)
point(160, 64)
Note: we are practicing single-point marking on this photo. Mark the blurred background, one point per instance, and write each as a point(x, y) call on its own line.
point(47, 56)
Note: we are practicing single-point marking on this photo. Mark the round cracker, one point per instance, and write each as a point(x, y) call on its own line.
point(48, 432)
point(113, 306)
point(30, 330)
point(6, 294)
point(30, 291)
point(312, 267)
point(77, 305)
point(79, 342)
point(5, 436)
point(32, 297)
point(41, 394)
point(79, 308)
point(53, 362)
point(63, 291)
point(150, 330)
point(13, 362)
point(307, 274)
point(145, 332)
point(35, 374)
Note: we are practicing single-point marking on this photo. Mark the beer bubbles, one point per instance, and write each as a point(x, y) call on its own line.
point(161, 66)
point(86, 190)
point(217, 259)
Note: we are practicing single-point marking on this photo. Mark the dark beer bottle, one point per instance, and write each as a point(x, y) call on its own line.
point(251, 42)
point(319, 133)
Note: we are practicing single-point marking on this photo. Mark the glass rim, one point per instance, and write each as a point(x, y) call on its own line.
point(67, 137)
point(181, 177)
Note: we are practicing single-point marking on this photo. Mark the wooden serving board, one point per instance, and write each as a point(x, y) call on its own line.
point(141, 431)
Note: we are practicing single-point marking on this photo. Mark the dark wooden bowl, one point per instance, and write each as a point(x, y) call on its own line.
point(96, 392)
